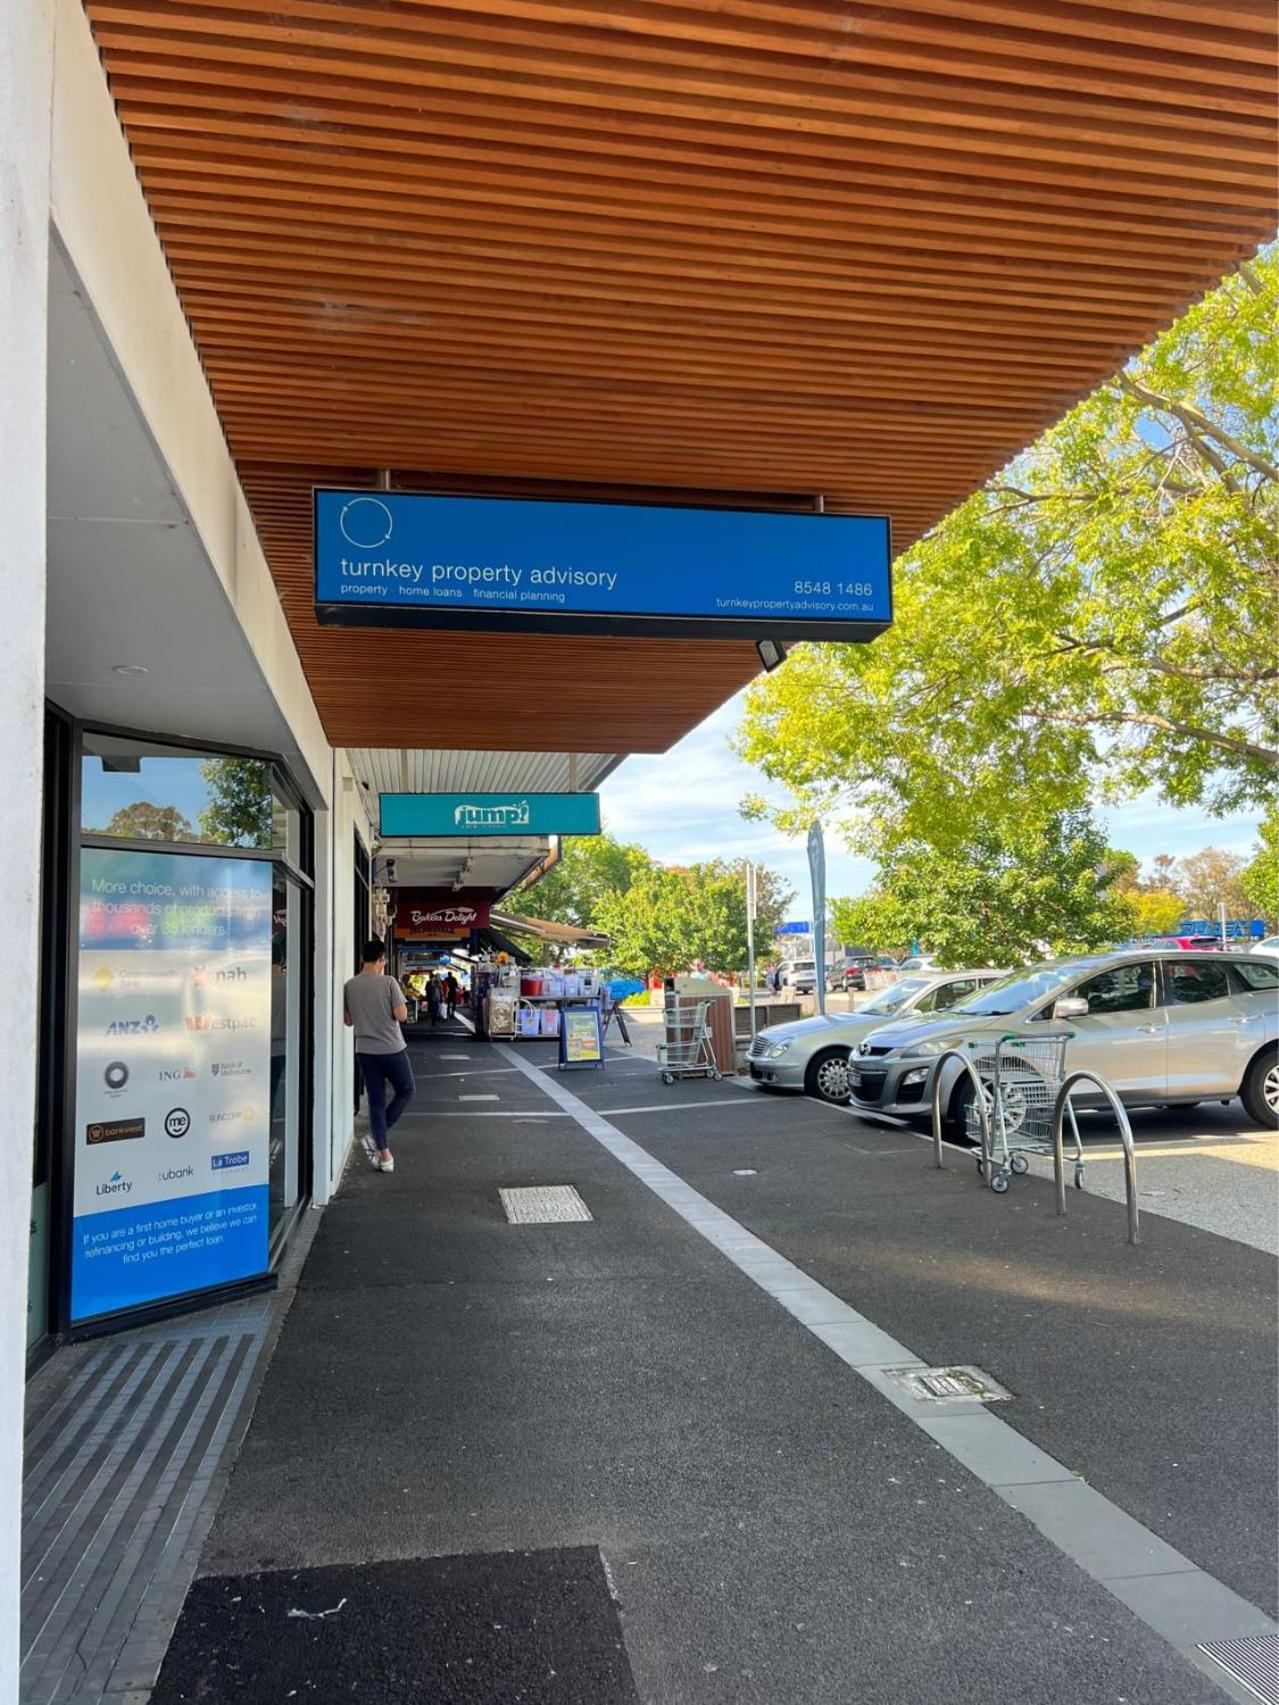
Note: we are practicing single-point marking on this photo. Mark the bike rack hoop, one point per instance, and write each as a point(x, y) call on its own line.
point(1125, 1137)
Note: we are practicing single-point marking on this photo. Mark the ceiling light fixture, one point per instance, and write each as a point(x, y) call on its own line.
point(131, 670)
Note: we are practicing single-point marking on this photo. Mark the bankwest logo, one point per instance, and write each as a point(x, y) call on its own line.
point(512, 816)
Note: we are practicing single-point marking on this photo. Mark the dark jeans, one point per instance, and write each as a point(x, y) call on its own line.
point(380, 1070)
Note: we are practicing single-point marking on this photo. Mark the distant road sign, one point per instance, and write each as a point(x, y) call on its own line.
point(799, 928)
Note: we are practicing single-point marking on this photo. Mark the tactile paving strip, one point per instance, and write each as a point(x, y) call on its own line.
point(543, 1204)
point(1253, 1662)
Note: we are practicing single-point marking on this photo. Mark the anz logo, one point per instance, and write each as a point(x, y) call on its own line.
point(134, 1026)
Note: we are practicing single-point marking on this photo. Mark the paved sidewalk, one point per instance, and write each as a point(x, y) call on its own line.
point(767, 1526)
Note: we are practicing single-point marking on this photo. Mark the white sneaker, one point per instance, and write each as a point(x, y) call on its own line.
point(371, 1151)
point(386, 1166)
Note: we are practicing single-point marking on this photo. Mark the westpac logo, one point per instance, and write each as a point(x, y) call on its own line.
point(203, 1021)
point(116, 1185)
point(134, 1026)
point(239, 1158)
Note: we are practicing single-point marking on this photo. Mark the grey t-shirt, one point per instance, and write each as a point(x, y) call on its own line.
point(370, 1003)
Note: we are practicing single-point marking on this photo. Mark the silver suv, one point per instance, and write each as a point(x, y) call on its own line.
point(1161, 1028)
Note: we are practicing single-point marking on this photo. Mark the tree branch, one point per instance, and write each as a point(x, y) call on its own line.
point(1200, 427)
point(1233, 744)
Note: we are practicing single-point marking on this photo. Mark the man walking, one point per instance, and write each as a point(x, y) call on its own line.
point(375, 1009)
point(452, 989)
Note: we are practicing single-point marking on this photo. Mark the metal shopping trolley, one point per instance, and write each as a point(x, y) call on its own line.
point(688, 1049)
point(1021, 1078)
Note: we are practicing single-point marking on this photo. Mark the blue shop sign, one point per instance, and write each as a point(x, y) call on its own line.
point(471, 815)
point(390, 559)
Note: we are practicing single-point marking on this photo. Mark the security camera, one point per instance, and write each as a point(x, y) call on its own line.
point(772, 653)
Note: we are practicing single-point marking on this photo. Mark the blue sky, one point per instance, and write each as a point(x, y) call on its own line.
point(683, 806)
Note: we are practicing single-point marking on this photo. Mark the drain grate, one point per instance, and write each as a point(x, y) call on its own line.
point(1252, 1661)
point(949, 1385)
point(543, 1204)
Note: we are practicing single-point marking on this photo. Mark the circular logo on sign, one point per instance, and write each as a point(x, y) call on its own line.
point(365, 523)
point(95, 1133)
point(116, 1075)
point(177, 1122)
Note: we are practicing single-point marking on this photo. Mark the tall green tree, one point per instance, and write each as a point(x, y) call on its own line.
point(1100, 617)
point(672, 915)
point(143, 821)
point(1260, 880)
point(991, 902)
point(589, 868)
point(239, 810)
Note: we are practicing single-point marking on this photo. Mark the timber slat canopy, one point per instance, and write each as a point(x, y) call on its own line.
point(764, 250)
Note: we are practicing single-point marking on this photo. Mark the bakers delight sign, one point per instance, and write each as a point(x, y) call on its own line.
point(422, 914)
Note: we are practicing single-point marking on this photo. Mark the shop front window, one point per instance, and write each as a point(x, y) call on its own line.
point(139, 790)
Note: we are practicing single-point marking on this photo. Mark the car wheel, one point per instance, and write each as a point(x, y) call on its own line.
point(1260, 1090)
point(1015, 1110)
point(827, 1076)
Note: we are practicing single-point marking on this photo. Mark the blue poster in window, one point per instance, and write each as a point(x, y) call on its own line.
point(173, 1037)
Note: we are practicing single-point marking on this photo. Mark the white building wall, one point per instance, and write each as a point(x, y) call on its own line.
point(97, 208)
point(347, 818)
point(26, 78)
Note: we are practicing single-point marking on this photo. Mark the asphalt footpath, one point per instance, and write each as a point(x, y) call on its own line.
point(595, 1460)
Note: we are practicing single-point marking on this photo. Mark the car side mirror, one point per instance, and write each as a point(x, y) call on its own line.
point(1071, 1006)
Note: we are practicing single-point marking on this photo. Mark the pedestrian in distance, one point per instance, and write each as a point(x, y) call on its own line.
point(434, 996)
point(452, 989)
point(374, 1007)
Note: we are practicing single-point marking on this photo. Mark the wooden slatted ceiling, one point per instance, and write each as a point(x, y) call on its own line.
point(756, 248)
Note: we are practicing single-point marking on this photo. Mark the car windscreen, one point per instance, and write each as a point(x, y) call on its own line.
point(1012, 993)
point(893, 997)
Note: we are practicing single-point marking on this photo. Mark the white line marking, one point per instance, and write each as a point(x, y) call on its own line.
point(664, 1107)
point(479, 1071)
point(1117, 1551)
point(479, 1098)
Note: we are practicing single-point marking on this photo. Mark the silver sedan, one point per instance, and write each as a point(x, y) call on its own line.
point(811, 1054)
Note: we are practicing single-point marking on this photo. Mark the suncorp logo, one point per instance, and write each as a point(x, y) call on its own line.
point(116, 1185)
point(134, 1026)
point(230, 1116)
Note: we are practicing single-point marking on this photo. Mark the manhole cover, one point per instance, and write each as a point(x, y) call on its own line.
point(949, 1385)
point(1253, 1662)
point(543, 1204)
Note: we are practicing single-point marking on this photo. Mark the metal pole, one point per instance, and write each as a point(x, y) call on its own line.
point(750, 939)
point(979, 1101)
point(1221, 913)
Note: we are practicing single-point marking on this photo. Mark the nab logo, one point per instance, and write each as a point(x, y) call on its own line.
point(233, 974)
point(133, 1026)
point(177, 1122)
point(116, 1076)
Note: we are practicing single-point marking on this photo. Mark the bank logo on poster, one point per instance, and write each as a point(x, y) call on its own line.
point(176, 956)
